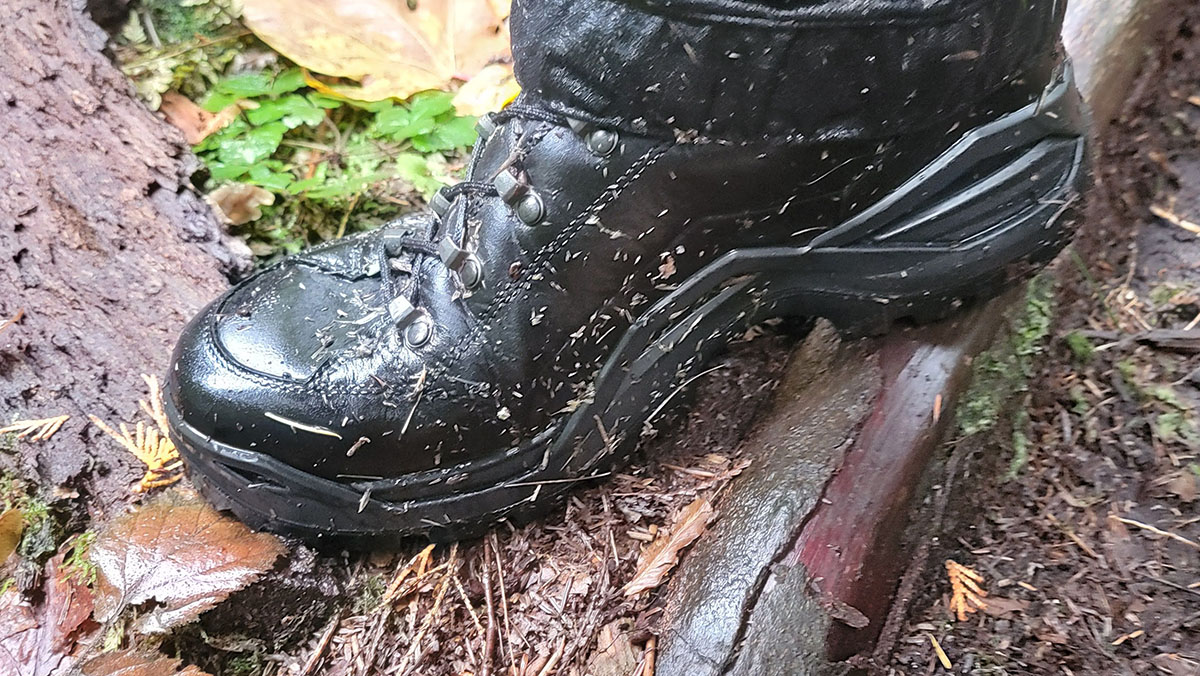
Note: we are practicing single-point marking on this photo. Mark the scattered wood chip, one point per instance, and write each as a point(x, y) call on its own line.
point(661, 556)
point(40, 429)
point(614, 655)
point(195, 122)
point(967, 594)
point(179, 552)
point(998, 606)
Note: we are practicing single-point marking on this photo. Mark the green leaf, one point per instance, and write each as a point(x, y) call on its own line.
point(458, 132)
point(430, 104)
point(221, 172)
point(288, 81)
point(414, 168)
point(256, 144)
point(320, 175)
point(251, 85)
point(264, 176)
point(327, 102)
point(293, 110)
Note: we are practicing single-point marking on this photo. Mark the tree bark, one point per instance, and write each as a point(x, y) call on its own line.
point(108, 248)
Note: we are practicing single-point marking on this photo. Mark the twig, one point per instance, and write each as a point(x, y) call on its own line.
point(558, 653)
point(1158, 531)
point(326, 637)
point(489, 644)
point(503, 598)
point(650, 656)
point(474, 618)
point(1174, 219)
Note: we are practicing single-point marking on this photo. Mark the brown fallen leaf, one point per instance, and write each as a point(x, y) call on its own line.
point(12, 524)
point(179, 552)
point(391, 50)
point(662, 555)
point(132, 663)
point(238, 203)
point(195, 122)
point(40, 640)
point(999, 606)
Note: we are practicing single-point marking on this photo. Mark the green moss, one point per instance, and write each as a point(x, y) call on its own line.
point(1081, 347)
point(370, 595)
point(246, 664)
point(1021, 445)
point(1007, 367)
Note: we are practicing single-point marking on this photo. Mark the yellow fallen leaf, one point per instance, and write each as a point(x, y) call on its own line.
point(391, 50)
point(662, 555)
point(491, 89)
point(12, 523)
point(150, 444)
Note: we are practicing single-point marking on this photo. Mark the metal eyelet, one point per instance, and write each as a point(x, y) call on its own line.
point(440, 203)
point(531, 209)
point(602, 142)
point(415, 323)
point(463, 262)
point(418, 333)
point(529, 206)
point(486, 125)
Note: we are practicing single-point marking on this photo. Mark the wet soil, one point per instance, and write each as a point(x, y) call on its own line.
point(1088, 546)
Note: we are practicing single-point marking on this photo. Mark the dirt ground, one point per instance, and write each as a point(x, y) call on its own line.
point(1088, 542)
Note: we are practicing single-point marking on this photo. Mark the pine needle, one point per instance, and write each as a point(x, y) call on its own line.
point(967, 596)
point(40, 429)
point(149, 443)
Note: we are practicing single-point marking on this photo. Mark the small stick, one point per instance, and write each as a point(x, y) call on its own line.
point(503, 598)
point(432, 615)
point(558, 653)
point(474, 618)
point(489, 644)
point(1159, 531)
point(650, 656)
point(326, 637)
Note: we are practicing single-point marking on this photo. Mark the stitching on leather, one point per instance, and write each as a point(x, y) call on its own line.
point(501, 300)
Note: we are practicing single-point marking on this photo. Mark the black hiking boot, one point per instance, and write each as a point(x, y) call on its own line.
point(671, 174)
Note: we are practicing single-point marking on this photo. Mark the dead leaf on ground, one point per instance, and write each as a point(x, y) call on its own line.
point(132, 663)
point(662, 555)
point(390, 49)
point(41, 640)
point(491, 89)
point(179, 552)
point(12, 523)
point(195, 122)
point(998, 606)
point(614, 654)
point(238, 203)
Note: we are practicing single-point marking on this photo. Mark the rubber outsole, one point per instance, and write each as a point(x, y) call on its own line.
point(950, 235)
